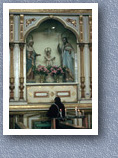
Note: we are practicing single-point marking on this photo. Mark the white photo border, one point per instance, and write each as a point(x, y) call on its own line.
point(6, 130)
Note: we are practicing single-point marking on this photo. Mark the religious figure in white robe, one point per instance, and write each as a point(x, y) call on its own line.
point(67, 57)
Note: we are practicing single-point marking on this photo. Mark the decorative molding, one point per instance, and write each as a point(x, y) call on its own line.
point(91, 87)
point(11, 45)
point(41, 94)
point(53, 91)
point(58, 18)
point(11, 28)
point(82, 87)
point(90, 48)
point(21, 87)
point(21, 28)
point(21, 79)
point(21, 45)
point(81, 45)
point(90, 29)
point(63, 93)
point(51, 11)
point(11, 87)
point(21, 109)
point(82, 78)
point(81, 27)
point(29, 21)
point(73, 22)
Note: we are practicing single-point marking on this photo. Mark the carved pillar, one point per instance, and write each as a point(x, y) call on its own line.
point(11, 71)
point(21, 45)
point(90, 48)
point(81, 45)
point(11, 45)
point(21, 79)
point(82, 78)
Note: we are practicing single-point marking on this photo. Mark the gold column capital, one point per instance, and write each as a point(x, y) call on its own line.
point(81, 19)
point(21, 18)
point(21, 45)
point(90, 19)
point(11, 18)
point(81, 45)
point(11, 46)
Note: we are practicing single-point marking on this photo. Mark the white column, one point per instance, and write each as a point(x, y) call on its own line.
point(76, 67)
point(24, 71)
point(16, 71)
point(16, 57)
point(86, 57)
point(79, 73)
point(87, 71)
point(85, 29)
point(16, 27)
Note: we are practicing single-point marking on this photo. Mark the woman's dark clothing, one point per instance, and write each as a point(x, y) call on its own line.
point(54, 112)
point(55, 109)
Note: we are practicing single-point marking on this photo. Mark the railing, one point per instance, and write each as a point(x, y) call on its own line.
point(81, 121)
point(20, 125)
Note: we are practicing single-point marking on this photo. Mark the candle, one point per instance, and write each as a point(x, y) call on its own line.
point(76, 112)
point(83, 112)
point(65, 112)
point(79, 112)
point(80, 119)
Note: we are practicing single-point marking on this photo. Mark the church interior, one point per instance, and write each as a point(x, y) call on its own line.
point(50, 55)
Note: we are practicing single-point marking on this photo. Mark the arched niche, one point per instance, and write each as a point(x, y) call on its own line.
point(64, 23)
point(49, 33)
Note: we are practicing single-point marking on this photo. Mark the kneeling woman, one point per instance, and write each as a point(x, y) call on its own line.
point(56, 110)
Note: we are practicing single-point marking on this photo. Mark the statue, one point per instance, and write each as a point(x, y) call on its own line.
point(67, 58)
point(48, 58)
point(30, 58)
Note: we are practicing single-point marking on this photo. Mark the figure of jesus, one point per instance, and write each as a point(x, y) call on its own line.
point(48, 58)
point(67, 57)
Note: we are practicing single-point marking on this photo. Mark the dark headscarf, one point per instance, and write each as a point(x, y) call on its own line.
point(60, 105)
point(57, 100)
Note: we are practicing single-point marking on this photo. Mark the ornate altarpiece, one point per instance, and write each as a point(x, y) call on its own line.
point(46, 28)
